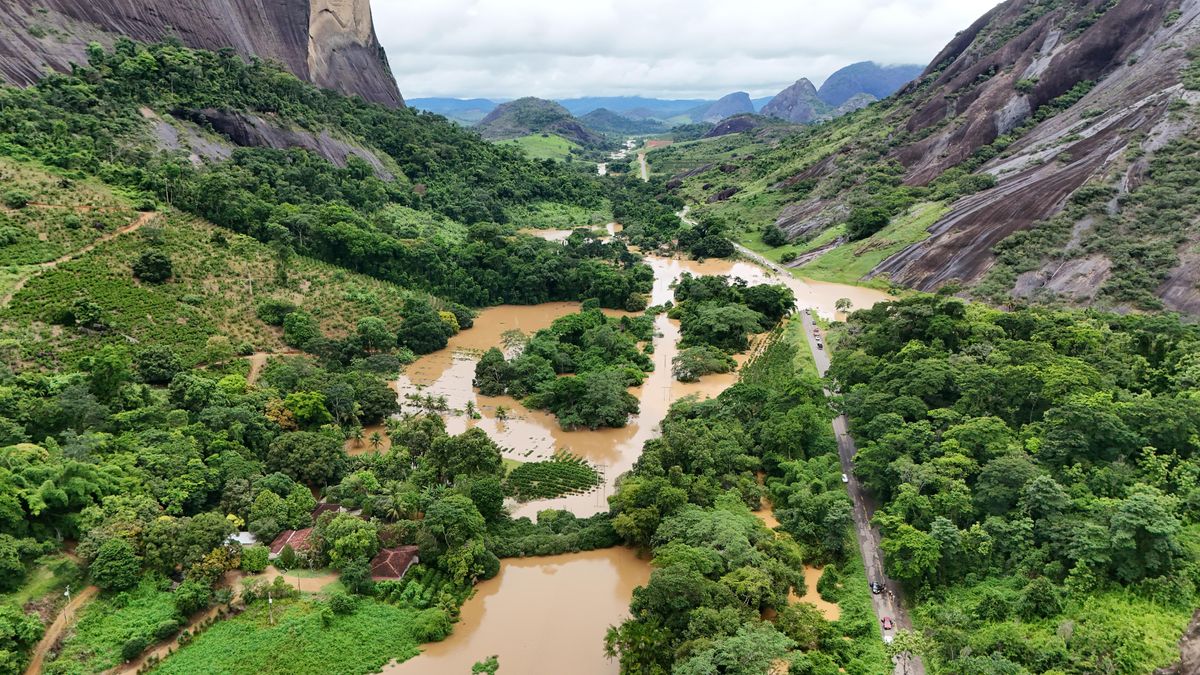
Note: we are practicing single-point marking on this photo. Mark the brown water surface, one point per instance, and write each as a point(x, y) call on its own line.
point(540, 615)
point(531, 435)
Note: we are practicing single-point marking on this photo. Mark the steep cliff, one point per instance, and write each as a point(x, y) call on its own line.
point(728, 105)
point(1053, 146)
point(330, 43)
point(866, 77)
point(798, 103)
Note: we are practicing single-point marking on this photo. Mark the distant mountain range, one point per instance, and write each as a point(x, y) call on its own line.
point(866, 77)
point(588, 120)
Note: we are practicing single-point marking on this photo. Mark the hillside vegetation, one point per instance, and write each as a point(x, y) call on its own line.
point(1045, 105)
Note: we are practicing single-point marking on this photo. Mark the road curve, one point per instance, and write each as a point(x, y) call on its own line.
point(64, 620)
point(887, 603)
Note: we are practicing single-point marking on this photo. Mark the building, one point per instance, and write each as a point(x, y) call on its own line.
point(297, 539)
point(391, 563)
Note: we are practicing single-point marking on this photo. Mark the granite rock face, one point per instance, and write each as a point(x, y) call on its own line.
point(798, 103)
point(728, 105)
point(330, 43)
point(866, 78)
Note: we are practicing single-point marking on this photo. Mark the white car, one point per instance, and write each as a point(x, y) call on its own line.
point(845, 478)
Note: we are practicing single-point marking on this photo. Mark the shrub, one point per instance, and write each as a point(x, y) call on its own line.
point(273, 312)
point(134, 647)
point(153, 266)
point(865, 221)
point(255, 559)
point(432, 625)
point(192, 596)
point(166, 629)
point(341, 603)
point(300, 328)
point(287, 558)
point(16, 199)
point(787, 257)
point(773, 236)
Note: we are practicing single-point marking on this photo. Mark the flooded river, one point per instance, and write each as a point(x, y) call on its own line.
point(540, 615)
point(549, 614)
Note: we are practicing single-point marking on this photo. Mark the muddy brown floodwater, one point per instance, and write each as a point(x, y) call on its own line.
point(540, 615)
point(549, 614)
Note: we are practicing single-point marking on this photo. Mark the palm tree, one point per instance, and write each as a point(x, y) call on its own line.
point(501, 413)
point(357, 434)
point(376, 440)
point(470, 410)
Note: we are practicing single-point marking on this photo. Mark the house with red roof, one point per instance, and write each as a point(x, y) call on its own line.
point(391, 563)
point(297, 539)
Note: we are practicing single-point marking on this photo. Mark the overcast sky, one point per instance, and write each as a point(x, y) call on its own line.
point(657, 48)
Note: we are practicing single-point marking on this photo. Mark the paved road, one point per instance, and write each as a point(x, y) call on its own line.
point(885, 604)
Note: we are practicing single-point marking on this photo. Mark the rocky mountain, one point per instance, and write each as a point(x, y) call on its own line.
point(530, 115)
point(726, 106)
point(866, 77)
point(633, 107)
point(330, 43)
point(1049, 153)
point(798, 103)
point(606, 121)
point(464, 111)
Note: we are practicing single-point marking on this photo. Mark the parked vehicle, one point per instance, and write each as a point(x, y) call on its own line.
point(887, 622)
point(876, 587)
point(845, 478)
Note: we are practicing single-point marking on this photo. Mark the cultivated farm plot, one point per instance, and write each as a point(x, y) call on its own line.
point(563, 474)
point(219, 277)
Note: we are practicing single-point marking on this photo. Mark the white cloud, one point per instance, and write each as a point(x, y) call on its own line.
point(662, 48)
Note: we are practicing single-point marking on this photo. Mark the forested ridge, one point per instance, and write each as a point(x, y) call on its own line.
point(1037, 474)
point(359, 216)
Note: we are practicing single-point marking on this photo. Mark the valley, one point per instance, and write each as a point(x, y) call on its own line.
point(777, 360)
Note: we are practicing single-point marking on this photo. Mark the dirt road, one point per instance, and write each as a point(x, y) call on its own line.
point(644, 166)
point(64, 620)
point(134, 226)
point(888, 603)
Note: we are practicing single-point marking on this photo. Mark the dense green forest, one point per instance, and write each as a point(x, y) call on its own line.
point(718, 570)
point(1037, 474)
point(360, 216)
point(601, 353)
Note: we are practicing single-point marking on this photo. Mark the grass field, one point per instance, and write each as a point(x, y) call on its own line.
point(850, 262)
point(299, 643)
point(538, 146)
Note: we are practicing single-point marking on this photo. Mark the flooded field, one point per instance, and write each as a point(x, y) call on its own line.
point(540, 615)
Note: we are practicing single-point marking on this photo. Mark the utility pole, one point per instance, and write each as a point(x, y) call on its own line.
point(270, 607)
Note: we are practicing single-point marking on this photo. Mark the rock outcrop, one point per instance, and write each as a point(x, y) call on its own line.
point(1189, 651)
point(728, 105)
point(798, 103)
point(1131, 51)
point(330, 43)
point(865, 77)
